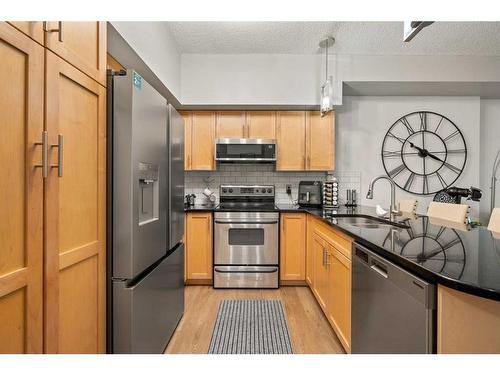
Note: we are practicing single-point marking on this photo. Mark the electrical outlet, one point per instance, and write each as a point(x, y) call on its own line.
point(288, 189)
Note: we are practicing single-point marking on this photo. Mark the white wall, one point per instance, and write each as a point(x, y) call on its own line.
point(362, 123)
point(154, 43)
point(257, 79)
point(272, 79)
point(490, 144)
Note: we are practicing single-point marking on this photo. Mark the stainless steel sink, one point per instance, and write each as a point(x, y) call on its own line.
point(369, 222)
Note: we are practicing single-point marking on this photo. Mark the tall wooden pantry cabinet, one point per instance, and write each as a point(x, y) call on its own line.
point(52, 184)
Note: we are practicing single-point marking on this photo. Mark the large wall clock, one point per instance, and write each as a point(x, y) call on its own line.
point(424, 152)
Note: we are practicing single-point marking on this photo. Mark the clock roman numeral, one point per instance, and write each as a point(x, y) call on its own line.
point(452, 167)
point(455, 133)
point(390, 134)
point(441, 180)
point(397, 170)
point(425, 187)
point(423, 121)
point(409, 181)
point(439, 124)
point(392, 154)
point(406, 123)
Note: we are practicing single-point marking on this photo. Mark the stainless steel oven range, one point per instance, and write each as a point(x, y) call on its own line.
point(246, 238)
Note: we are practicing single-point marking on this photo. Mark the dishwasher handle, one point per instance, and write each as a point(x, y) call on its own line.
point(379, 268)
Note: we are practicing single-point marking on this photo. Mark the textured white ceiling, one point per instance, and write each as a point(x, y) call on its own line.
point(370, 38)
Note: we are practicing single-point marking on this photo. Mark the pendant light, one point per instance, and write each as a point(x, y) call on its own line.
point(326, 103)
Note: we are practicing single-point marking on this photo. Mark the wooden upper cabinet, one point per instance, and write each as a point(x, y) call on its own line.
point(75, 208)
point(293, 247)
point(320, 141)
point(21, 189)
point(82, 44)
point(261, 124)
point(34, 29)
point(202, 141)
point(199, 236)
point(291, 145)
point(230, 124)
point(188, 124)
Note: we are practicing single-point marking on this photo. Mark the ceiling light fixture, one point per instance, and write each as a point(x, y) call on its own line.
point(412, 28)
point(326, 103)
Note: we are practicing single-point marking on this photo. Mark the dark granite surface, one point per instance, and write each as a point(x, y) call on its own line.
point(466, 259)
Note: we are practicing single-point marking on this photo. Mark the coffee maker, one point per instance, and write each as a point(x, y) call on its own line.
point(310, 194)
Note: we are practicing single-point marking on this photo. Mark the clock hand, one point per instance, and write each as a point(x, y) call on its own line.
point(432, 156)
point(422, 152)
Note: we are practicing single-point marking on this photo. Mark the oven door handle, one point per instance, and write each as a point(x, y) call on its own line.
point(246, 271)
point(232, 222)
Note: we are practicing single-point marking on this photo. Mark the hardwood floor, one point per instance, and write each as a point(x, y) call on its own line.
point(308, 327)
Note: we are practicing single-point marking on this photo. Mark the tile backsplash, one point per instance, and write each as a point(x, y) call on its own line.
point(262, 174)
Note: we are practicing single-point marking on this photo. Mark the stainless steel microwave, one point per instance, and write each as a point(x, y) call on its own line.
point(243, 150)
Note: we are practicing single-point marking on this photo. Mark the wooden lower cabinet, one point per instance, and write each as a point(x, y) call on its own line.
point(339, 296)
point(320, 285)
point(467, 324)
point(328, 273)
point(21, 189)
point(309, 254)
point(293, 247)
point(199, 239)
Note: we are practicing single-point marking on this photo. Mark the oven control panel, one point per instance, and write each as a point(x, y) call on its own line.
point(246, 190)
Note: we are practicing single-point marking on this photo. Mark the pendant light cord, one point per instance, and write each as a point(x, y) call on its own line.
point(326, 62)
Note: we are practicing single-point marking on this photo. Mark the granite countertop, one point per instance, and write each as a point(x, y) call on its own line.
point(466, 258)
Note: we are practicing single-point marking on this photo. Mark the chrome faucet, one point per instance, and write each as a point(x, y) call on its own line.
point(369, 195)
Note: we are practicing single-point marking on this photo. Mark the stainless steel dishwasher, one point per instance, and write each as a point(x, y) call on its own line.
point(393, 311)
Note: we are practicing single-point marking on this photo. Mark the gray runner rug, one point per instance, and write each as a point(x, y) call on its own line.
point(250, 327)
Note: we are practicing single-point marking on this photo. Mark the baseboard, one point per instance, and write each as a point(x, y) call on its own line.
point(199, 282)
point(293, 283)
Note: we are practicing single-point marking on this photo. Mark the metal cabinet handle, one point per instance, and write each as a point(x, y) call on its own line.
point(327, 260)
point(45, 154)
point(60, 144)
point(58, 30)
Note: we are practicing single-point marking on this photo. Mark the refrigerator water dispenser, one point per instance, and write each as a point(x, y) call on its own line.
point(149, 193)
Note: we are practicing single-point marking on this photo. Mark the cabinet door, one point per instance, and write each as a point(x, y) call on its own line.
point(202, 141)
point(310, 251)
point(75, 210)
point(199, 246)
point(320, 271)
point(291, 141)
point(188, 126)
point(82, 44)
point(230, 124)
point(34, 29)
point(21, 189)
point(293, 247)
point(261, 124)
point(339, 296)
point(320, 141)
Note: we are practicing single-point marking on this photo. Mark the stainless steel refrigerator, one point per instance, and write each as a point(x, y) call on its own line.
point(145, 216)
